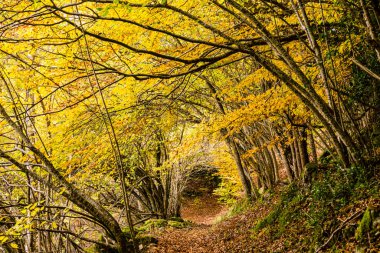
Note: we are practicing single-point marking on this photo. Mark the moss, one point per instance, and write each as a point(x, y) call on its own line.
point(152, 223)
point(159, 223)
point(284, 212)
point(92, 249)
point(146, 239)
point(269, 220)
point(365, 225)
point(317, 209)
point(177, 224)
point(179, 219)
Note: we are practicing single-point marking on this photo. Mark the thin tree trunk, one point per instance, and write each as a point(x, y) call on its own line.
point(303, 148)
point(243, 174)
point(71, 192)
point(243, 177)
point(285, 161)
point(306, 93)
point(313, 148)
point(370, 28)
point(294, 160)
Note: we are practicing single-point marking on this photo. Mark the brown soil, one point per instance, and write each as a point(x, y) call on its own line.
point(230, 235)
point(203, 209)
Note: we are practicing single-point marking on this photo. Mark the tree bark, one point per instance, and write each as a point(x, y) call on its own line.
point(305, 92)
point(71, 192)
point(243, 174)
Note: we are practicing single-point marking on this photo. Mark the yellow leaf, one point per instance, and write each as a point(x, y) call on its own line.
point(3, 239)
point(14, 245)
point(61, 191)
point(34, 206)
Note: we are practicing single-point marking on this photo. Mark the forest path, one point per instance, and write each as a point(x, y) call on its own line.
point(207, 235)
point(203, 210)
point(208, 232)
point(230, 235)
point(213, 231)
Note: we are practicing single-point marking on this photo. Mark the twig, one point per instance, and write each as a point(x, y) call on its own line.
point(367, 70)
point(339, 228)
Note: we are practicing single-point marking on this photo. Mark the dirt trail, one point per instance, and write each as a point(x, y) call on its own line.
point(204, 235)
point(231, 235)
point(203, 210)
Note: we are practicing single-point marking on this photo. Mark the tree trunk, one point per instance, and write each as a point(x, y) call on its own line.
point(244, 175)
point(71, 192)
point(285, 161)
point(305, 92)
point(246, 182)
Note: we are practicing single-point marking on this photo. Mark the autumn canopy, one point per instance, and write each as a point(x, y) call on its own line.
point(108, 107)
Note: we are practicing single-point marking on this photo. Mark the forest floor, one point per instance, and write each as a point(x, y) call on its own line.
point(215, 229)
point(323, 217)
point(211, 230)
point(203, 210)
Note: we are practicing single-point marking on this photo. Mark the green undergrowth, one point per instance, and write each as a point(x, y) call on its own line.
point(240, 206)
point(307, 215)
point(152, 224)
point(284, 211)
